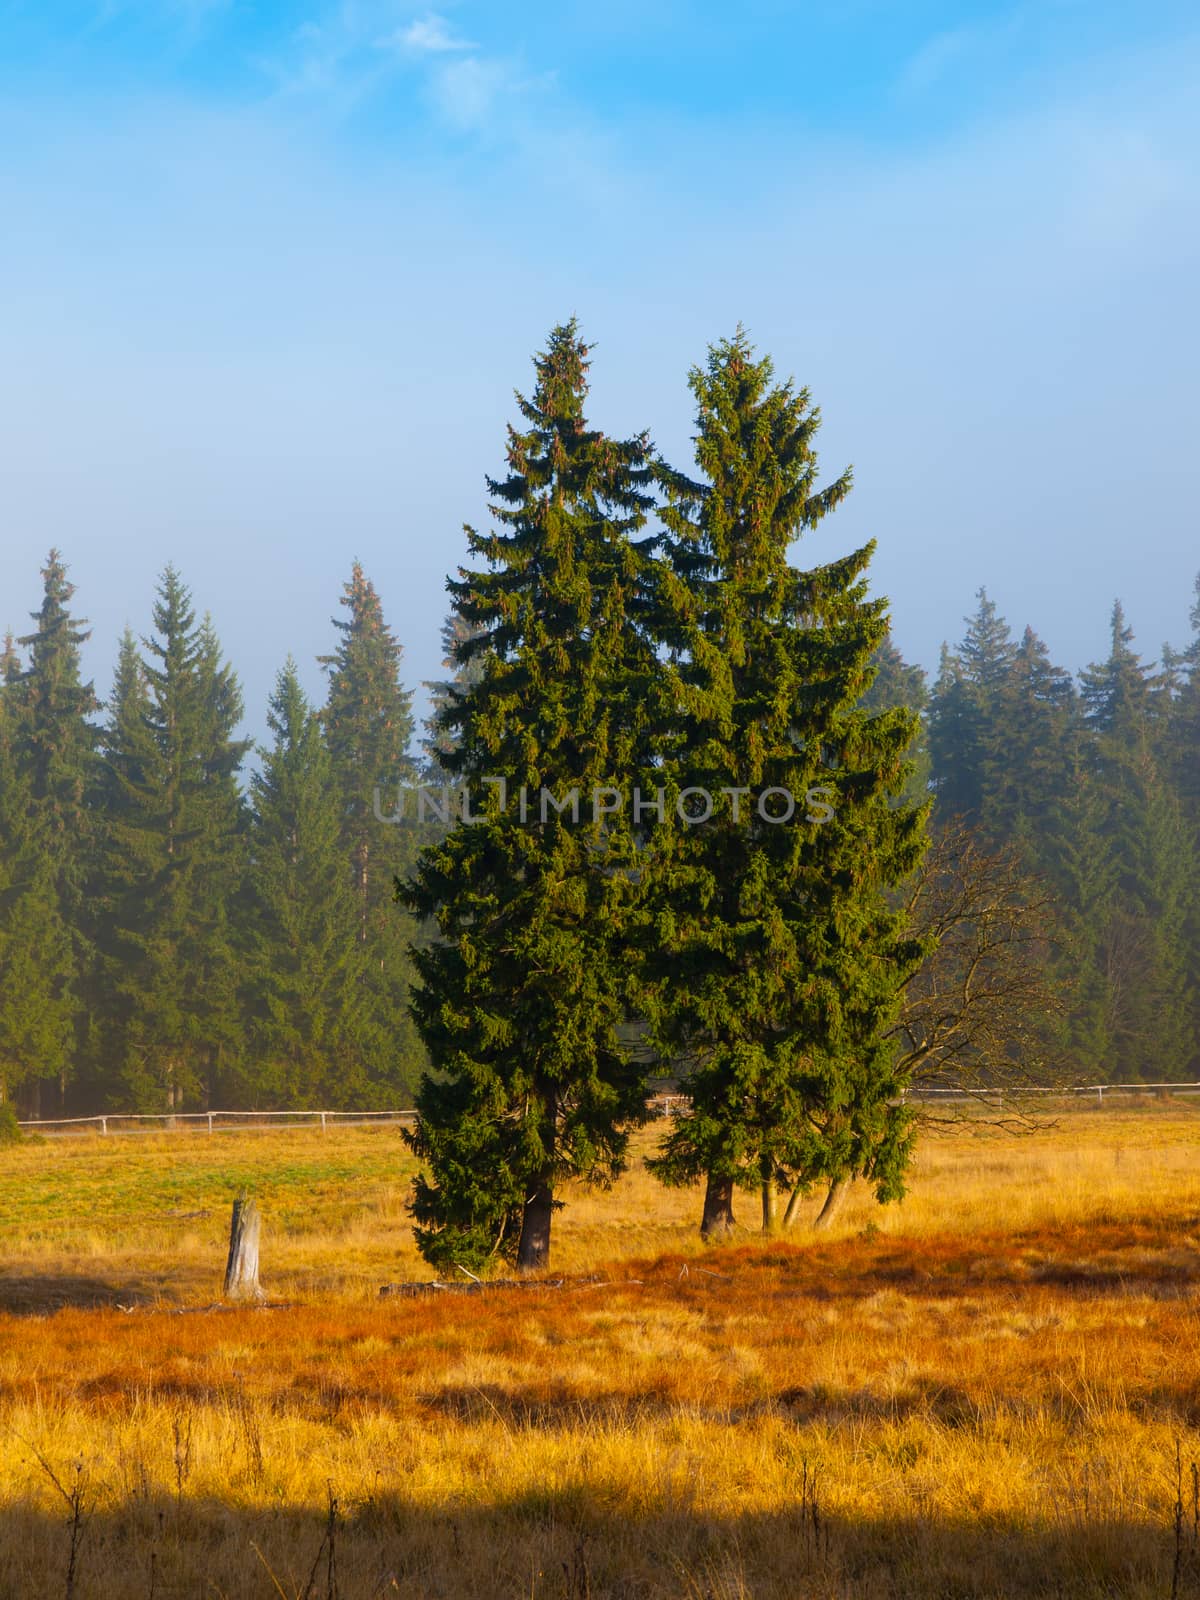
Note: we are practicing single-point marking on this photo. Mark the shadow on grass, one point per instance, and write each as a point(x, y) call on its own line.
point(569, 1544)
point(1123, 1260)
point(34, 1294)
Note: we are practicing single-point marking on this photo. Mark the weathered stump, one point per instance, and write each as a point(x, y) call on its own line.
point(241, 1270)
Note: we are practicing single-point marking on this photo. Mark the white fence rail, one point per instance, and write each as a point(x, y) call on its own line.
point(112, 1123)
point(1097, 1091)
point(115, 1123)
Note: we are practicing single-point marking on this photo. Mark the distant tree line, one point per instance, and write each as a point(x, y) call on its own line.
point(1095, 786)
point(171, 937)
point(1002, 880)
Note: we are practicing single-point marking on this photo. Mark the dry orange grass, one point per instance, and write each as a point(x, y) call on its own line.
point(987, 1385)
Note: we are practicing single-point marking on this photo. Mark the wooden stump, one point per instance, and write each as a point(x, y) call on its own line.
point(241, 1270)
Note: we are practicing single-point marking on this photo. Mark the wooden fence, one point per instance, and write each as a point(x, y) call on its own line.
point(113, 1123)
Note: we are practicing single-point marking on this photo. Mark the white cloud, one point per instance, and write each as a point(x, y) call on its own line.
point(343, 55)
point(428, 35)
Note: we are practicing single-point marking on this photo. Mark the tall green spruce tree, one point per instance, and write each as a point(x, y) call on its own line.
point(522, 994)
point(171, 862)
point(310, 1029)
point(774, 960)
point(50, 754)
point(368, 726)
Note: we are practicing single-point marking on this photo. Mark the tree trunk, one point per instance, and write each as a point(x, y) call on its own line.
point(361, 857)
point(833, 1203)
point(241, 1270)
point(718, 1221)
point(793, 1206)
point(770, 1206)
point(533, 1248)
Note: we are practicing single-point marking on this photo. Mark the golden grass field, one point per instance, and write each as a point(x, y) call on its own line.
point(980, 1392)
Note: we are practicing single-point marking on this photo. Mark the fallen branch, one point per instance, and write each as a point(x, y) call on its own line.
point(479, 1286)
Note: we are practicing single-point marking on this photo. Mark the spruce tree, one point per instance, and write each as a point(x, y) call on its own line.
point(1006, 731)
point(35, 1021)
point(1138, 937)
point(1123, 698)
point(522, 994)
point(368, 726)
point(775, 962)
point(310, 1029)
point(57, 742)
point(1183, 764)
point(128, 769)
point(51, 746)
point(1183, 743)
point(966, 718)
point(222, 821)
point(1036, 767)
point(37, 999)
point(171, 860)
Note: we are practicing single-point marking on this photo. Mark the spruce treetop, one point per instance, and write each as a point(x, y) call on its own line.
point(551, 613)
point(1122, 696)
point(367, 715)
point(53, 702)
point(987, 649)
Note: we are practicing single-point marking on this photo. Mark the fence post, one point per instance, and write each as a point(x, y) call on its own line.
point(323, 1122)
point(1100, 1093)
point(210, 1115)
point(104, 1125)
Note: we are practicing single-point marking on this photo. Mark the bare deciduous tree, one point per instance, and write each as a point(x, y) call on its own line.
point(980, 1013)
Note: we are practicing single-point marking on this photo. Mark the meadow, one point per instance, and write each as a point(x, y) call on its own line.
point(992, 1389)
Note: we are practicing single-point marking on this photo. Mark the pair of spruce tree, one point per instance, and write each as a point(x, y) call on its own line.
point(763, 962)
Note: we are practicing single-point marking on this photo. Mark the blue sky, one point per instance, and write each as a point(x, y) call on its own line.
point(271, 273)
